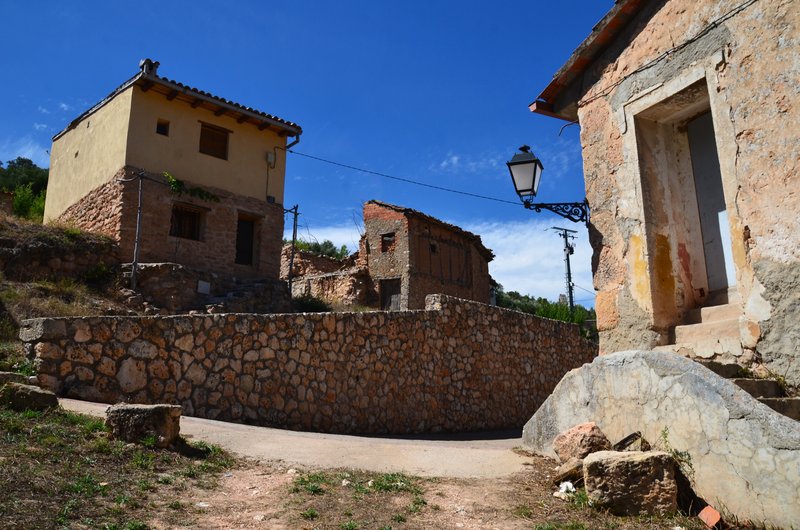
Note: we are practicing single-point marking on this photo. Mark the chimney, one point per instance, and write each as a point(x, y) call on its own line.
point(149, 67)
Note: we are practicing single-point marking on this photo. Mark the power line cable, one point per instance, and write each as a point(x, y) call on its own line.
point(584, 288)
point(401, 179)
point(607, 90)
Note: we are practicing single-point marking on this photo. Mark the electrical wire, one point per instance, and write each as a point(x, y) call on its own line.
point(703, 32)
point(401, 179)
point(584, 288)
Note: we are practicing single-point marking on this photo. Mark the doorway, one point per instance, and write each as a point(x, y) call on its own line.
point(390, 294)
point(711, 209)
point(245, 237)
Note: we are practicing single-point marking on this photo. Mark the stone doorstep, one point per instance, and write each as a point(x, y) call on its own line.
point(726, 370)
point(758, 388)
point(691, 333)
point(788, 406)
point(713, 313)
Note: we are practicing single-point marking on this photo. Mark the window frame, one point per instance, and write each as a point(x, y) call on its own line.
point(205, 144)
point(196, 228)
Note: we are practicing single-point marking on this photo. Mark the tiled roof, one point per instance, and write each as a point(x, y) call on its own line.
point(147, 77)
point(474, 238)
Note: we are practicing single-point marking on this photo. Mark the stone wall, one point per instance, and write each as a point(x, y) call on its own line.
point(176, 288)
point(308, 263)
point(456, 366)
point(648, 262)
point(53, 253)
point(111, 209)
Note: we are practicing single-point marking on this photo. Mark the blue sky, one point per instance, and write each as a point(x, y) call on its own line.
point(434, 91)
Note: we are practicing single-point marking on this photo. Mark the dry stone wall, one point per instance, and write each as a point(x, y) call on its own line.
point(455, 366)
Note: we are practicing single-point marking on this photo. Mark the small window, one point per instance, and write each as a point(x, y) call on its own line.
point(186, 222)
point(162, 127)
point(387, 242)
point(434, 248)
point(214, 141)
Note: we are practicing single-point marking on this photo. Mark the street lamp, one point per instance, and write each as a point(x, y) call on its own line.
point(526, 172)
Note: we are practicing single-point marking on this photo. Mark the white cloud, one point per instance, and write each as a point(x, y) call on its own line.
point(63, 106)
point(40, 126)
point(479, 163)
point(25, 147)
point(529, 256)
point(43, 110)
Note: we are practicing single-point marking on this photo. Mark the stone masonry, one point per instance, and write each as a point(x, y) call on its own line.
point(111, 209)
point(455, 366)
point(668, 63)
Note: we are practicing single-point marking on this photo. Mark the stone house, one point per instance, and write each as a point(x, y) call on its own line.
point(404, 255)
point(211, 174)
point(689, 117)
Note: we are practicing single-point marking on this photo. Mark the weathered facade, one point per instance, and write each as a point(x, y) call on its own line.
point(220, 209)
point(404, 255)
point(688, 113)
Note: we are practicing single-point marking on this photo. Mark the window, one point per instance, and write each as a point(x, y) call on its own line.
point(434, 248)
point(387, 242)
point(162, 127)
point(186, 222)
point(214, 140)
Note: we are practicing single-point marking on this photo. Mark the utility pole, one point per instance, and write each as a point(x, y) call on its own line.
point(569, 249)
point(293, 211)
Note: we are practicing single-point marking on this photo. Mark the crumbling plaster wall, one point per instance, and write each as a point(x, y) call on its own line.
point(749, 64)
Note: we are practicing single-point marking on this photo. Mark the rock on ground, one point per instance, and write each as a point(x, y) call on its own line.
point(580, 441)
point(631, 482)
point(26, 397)
point(133, 423)
point(744, 454)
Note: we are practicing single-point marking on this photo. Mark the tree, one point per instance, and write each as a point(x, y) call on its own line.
point(326, 248)
point(542, 307)
point(23, 171)
point(29, 184)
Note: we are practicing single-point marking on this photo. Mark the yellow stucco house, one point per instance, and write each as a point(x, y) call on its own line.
point(211, 173)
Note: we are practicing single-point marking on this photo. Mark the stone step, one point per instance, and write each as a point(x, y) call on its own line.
point(723, 296)
point(692, 333)
point(788, 406)
point(726, 370)
point(725, 348)
point(713, 313)
point(758, 388)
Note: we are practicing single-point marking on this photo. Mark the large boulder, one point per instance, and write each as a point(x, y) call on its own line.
point(744, 455)
point(580, 441)
point(21, 397)
point(134, 423)
point(631, 482)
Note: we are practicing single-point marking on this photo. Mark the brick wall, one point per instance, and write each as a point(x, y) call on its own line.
point(456, 366)
point(111, 209)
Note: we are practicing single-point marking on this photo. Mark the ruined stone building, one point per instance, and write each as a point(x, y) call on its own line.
point(404, 255)
point(219, 210)
point(689, 118)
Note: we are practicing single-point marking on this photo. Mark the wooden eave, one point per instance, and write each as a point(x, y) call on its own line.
point(553, 101)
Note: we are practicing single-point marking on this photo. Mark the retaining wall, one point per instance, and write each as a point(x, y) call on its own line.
point(455, 366)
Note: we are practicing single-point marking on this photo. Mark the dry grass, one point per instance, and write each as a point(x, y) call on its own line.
point(61, 470)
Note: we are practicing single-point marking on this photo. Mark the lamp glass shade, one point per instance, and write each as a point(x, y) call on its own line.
point(526, 172)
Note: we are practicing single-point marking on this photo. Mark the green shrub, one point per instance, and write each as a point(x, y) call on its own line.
point(310, 304)
point(28, 203)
